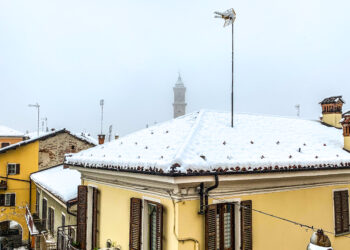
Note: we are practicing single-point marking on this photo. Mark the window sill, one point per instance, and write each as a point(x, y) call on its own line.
point(342, 234)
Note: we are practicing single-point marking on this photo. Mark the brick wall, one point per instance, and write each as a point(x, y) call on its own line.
point(53, 149)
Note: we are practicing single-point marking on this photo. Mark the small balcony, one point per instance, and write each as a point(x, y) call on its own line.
point(3, 185)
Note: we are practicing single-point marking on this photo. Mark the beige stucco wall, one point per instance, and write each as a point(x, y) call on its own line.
point(332, 119)
point(52, 150)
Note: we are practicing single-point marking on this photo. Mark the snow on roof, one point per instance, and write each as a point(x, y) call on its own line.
point(61, 182)
point(33, 136)
point(6, 131)
point(204, 141)
point(87, 137)
point(332, 99)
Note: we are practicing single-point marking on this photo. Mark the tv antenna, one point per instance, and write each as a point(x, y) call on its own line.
point(110, 132)
point(37, 106)
point(297, 107)
point(229, 16)
point(102, 102)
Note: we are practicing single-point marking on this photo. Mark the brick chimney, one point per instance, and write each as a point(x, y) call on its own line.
point(101, 139)
point(332, 111)
point(345, 122)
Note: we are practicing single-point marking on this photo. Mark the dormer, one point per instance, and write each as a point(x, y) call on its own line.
point(332, 111)
point(345, 122)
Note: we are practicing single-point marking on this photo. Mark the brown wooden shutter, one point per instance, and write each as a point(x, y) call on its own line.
point(2, 199)
point(12, 200)
point(246, 225)
point(17, 168)
point(135, 224)
point(338, 212)
point(159, 227)
point(94, 217)
point(81, 216)
point(345, 210)
point(210, 227)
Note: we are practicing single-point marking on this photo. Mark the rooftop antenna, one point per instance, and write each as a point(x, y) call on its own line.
point(102, 102)
point(229, 16)
point(37, 106)
point(298, 109)
point(43, 127)
point(110, 133)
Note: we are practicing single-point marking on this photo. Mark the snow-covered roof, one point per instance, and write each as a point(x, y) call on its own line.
point(9, 132)
point(332, 99)
point(42, 136)
point(204, 142)
point(61, 182)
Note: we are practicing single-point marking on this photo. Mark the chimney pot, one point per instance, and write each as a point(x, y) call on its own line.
point(101, 139)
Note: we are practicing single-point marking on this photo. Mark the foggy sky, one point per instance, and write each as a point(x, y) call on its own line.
point(67, 55)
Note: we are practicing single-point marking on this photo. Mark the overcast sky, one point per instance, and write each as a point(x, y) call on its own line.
point(67, 55)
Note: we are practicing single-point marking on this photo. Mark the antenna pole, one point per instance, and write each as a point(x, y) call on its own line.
point(232, 78)
point(101, 104)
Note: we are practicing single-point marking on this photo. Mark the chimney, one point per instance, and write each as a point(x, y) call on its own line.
point(332, 111)
point(101, 139)
point(116, 137)
point(345, 122)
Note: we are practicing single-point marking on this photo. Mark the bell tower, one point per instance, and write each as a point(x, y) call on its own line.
point(179, 98)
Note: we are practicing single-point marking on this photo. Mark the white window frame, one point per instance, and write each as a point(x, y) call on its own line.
point(65, 219)
point(8, 168)
point(9, 199)
point(237, 214)
point(145, 221)
point(49, 229)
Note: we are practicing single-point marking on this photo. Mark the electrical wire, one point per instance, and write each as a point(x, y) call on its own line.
point(280, 218)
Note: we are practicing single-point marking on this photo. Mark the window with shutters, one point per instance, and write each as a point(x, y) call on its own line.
point(222, 229)
point(146, 225)
point(8, 200)
point(44, 214)
point(37, 202)
point(13, 168)
point(51, 220)
point(341, 212)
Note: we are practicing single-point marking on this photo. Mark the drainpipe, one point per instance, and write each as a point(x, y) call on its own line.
point(203, 208)
point(68, 205)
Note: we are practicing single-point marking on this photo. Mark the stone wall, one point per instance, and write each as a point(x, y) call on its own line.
point(53, 149)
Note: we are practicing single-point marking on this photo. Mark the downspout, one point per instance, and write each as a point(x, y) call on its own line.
point(68, 205)
point(203, 208)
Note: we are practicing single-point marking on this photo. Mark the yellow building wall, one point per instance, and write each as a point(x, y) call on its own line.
point(10, 140)
point(27, 157)
point(115, 216)
point(311, 206)
point(332, 119)
point(347, 143)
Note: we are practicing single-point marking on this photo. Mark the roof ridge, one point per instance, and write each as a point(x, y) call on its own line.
point(179, 153)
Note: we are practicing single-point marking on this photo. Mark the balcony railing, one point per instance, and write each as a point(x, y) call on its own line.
point(3, 185)
point(66, 238)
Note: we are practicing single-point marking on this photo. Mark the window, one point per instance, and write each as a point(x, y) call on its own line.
point(4, 144)
point(44, 214)
point(51, 220)
point(221, 228)
point(8, 200)
point(152, 229)
point(37, 202)
point(13, 168)
point(63, 220)
point(341, 212)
